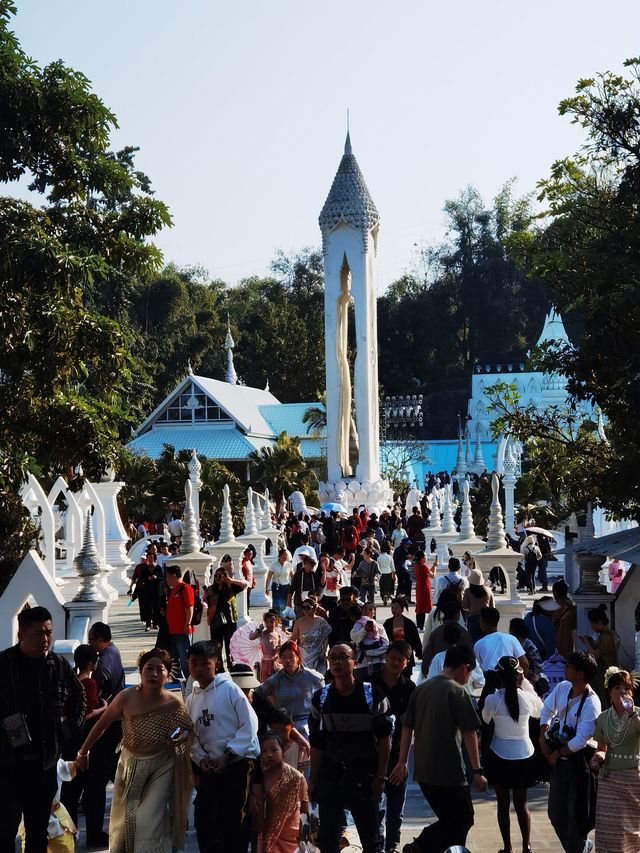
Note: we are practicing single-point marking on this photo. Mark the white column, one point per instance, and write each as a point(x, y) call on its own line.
point(115, 534)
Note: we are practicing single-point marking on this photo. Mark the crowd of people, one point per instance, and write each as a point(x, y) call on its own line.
point(324, 725)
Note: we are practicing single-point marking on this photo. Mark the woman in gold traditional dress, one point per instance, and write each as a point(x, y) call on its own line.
point(617, 760)
point(154, 770)
point(285, 796)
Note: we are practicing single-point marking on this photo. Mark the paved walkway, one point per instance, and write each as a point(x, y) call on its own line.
point(131, 639)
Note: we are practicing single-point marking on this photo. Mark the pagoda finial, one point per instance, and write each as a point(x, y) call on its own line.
point(230, 376)
point(189, 368)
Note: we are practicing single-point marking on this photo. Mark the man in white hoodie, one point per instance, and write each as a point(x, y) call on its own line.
point(223, 750)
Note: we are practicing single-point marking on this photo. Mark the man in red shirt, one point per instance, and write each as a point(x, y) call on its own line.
point(179, 612)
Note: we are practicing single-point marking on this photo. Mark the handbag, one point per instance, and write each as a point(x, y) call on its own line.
point(16, 730)
point(219, 620)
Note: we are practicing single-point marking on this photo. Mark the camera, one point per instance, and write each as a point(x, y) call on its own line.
point(558, 734)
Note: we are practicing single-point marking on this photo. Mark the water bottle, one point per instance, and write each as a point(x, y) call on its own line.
point(627, 704)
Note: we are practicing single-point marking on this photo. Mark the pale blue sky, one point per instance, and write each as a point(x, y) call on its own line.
point(239, 107)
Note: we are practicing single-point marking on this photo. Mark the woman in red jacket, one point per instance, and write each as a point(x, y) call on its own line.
point(423, 573)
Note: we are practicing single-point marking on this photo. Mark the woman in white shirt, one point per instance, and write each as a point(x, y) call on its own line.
point(510, 762)
point(278, 580)
point(387, 573)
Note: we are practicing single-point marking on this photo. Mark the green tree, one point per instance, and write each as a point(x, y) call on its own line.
point(436, 323)
point(585, 246)
point(315, 417)
point(281, 469)
point(64, 363)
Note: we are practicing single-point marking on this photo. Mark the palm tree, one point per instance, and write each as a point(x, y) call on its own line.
point(281, 468)
point(315, 417)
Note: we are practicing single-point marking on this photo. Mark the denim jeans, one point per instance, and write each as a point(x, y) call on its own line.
point(353, 792)
point(279, 591)
point(179, 650)
point(369, 593)
point(395, 796)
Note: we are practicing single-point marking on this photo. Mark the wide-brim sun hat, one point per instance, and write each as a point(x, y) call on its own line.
point(476, 578)
point(548, 604)
point(244, 676)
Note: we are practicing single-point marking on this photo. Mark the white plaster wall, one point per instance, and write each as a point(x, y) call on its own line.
point(32, 582)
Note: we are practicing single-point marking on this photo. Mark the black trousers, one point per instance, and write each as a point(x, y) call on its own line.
point(404, 583)
point(26, 790)
point(454, 810)
point(353, 792)
point(93, 781)
point(219, 809)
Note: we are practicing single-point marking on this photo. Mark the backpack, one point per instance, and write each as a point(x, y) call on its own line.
point(530, 559)
point(452, 592)
point(196, 618)
point(368, 695)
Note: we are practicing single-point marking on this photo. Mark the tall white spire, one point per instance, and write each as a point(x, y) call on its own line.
point(467, 530)
point(231, 376)
point(495, 535)
point(226, 518)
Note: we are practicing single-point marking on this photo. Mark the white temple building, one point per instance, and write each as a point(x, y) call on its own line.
point(541, 389)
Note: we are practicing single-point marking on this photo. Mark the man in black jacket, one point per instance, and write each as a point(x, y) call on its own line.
point(38, 689)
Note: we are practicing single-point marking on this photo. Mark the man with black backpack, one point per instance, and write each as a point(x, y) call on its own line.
point(179, 611)
point(453, 582)
point(350, 728)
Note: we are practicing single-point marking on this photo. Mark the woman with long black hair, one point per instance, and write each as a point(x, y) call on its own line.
point(510, 762)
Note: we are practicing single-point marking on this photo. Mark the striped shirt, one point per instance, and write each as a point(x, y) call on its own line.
point(346, 728)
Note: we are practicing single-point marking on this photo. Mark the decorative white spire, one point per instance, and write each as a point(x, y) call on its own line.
point(190, 535)
point(435, 524)
point(189, 368)
point(195, 467)
point(226, 518)
point(589, 529)
point(257, 510)
point(266, 515)
point(250, 528)
point(468, 457)
point(467, 530)
point(496, 538)
point(510, 461)
point(478, 459)
point(553, 330)
point(88, 565)
point(448, 524)
point(461, 464)
point(230, 376)
point(349, 200)
point(266, 387)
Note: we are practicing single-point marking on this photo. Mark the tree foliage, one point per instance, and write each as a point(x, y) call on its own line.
point(64, 364)
point(436, 324)
point(587, 247)
point(281, 469)
point(153, 486)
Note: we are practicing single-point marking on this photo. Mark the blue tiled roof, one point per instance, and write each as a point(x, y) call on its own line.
point(312, 448)
point(224, 444)
point(287, 417)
